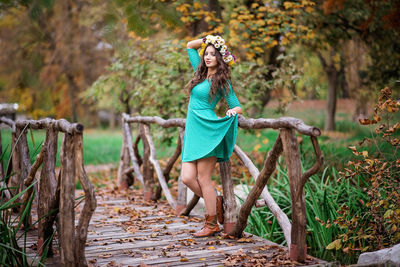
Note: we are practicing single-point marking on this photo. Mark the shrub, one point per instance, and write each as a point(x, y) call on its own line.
point(377, 223)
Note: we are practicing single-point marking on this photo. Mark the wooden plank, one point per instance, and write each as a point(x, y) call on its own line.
point(108, 242)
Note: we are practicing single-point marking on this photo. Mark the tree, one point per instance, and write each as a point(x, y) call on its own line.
point(262, 32)
point(338, 23)
point(53, 55)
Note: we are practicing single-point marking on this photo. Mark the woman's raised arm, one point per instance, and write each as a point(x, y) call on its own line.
point(194, 44)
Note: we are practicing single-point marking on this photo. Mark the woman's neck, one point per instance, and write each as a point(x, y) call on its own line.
point(211, 72)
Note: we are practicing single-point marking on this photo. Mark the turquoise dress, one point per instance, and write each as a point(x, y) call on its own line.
point(206, 135)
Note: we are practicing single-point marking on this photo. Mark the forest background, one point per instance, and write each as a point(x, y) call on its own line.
point(72, 59)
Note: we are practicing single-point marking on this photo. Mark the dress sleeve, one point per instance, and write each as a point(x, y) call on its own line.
point(194, 58)
point(231, 98)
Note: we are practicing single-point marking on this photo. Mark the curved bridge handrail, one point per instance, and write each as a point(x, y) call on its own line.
point(245, 123)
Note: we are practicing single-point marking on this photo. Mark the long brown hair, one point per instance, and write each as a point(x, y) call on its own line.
point(219, 80)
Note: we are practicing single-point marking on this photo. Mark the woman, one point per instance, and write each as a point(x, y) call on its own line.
point(208, 139)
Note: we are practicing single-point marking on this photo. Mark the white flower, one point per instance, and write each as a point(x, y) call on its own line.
point(224, 47)
point(217, 45)
point(229, 58)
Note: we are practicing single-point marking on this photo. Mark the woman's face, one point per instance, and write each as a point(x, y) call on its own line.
point(210, 58)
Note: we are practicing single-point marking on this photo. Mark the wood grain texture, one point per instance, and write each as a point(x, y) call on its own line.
point(266, 172)
point(147, 167)
point(157, 167)
point(134, 161)
point(230, 215)
point(67, 194)
point(163, 240)
point(268, 200)
point(90, 203)
point(47, 191)
point(292, 157)
point(124, 178)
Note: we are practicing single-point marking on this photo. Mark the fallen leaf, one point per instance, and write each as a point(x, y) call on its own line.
point(106, 255)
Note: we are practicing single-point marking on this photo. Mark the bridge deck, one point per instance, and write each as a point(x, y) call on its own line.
point(126, 231)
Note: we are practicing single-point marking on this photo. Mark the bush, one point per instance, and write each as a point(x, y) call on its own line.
point(377, 223)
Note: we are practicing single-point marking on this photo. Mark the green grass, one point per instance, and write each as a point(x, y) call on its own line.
point(99, 146)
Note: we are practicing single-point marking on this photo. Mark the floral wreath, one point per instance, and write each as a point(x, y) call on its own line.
point(219, 43)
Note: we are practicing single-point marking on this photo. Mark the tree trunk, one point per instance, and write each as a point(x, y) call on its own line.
point(331, 99)
point(333, 83)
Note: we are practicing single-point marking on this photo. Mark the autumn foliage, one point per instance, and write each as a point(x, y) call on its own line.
point(377, 223)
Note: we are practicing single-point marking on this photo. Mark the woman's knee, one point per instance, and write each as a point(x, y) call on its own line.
point(188, 176)
point(204, 179)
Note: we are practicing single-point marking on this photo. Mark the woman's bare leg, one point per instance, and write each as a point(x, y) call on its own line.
point(205, 168)
point(189, 177)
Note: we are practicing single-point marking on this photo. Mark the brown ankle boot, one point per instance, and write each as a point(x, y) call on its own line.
point(210, 227)
point(220, 209)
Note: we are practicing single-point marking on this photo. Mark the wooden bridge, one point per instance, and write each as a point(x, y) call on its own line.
point(128, 228)
point(125, 230)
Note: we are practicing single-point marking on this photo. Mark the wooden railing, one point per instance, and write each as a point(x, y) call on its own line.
point(235, 224)
point(56, 194)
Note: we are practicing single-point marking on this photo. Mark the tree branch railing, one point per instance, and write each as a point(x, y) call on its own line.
point(56, 193)
point(234, 224)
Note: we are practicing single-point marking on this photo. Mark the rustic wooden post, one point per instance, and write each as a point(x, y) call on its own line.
point(157, 167)
point(29, 180)
point(67, 200)
point(266, 172)
point(298, 247)
point(134, 161)
point(148, 171)
point(47, 192)
point(25, 169)
point(182, 188)
point(124, 180)
point(89, 207)
point(268, 200)
point(136, 150)
point(230, 215)
point(13, 182)
point(23, 150)
point(168, 167)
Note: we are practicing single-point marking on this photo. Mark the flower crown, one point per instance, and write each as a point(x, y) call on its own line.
point(219, 43)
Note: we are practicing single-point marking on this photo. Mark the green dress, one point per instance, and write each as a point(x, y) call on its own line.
point(206, 135)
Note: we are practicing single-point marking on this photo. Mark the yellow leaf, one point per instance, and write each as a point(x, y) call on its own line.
point(254, 5)
point(184, 260)
point(211, 248)
point(365, 153)
point(197, 5)
point(265, 141)
point(335, 245)
point(116, 209)
point(202, 259)
point(309, 9)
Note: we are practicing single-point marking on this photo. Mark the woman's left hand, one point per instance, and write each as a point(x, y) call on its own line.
point(231, 112)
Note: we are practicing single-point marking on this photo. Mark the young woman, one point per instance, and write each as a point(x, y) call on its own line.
point(208, 139)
